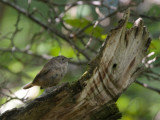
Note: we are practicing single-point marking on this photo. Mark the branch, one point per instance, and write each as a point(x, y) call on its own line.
point(148, 87)
point(153, 18)
point(45, 57)
point(55, 31)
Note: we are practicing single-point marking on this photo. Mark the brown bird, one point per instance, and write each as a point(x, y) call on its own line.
point(51, 74)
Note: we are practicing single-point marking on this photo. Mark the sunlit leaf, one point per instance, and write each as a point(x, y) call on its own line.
point(78, 23)
point(155, 47)
point(129, 25)
point(103, 36)
point(123, 102)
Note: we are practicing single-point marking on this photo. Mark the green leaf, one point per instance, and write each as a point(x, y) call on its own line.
point(155, 47)
point(78, 23)
point(96, 32)
point(104, 36)
point(123, 103)
point(82, 23)
point(129, 25)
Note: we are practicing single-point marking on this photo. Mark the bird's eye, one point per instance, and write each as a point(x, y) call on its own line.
point(62, 58)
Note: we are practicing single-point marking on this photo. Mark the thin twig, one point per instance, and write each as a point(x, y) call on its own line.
point(55, 31)
point(45, 57)
point(148, 87)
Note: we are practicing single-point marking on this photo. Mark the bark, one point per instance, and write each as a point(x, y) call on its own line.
point(93, 96)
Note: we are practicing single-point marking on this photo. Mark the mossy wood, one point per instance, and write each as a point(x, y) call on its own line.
point(93, 96)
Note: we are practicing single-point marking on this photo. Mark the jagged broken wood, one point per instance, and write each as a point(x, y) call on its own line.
point(94, 95)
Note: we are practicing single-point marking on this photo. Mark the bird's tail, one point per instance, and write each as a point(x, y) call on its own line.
point(29, 85)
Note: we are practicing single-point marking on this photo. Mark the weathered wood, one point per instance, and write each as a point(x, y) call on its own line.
point(93, 96)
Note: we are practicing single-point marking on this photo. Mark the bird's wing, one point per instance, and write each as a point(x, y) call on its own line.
point(46, 68)
point(43, 72)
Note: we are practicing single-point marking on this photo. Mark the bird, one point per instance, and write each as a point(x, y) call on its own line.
point(51, 74)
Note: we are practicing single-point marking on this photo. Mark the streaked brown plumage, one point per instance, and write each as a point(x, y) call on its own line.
point(51, 74)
